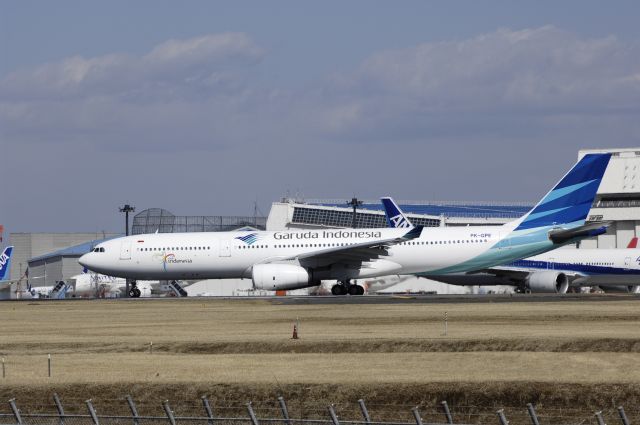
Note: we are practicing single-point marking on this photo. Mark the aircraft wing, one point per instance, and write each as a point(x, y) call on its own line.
point(355, 253)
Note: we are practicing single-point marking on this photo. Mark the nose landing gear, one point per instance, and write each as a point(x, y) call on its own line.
point(345, 287)
point(134, 292)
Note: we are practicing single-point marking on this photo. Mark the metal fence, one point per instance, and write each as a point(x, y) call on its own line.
point(280, 415)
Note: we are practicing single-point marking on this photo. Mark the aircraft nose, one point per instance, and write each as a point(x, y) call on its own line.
point(85, 260)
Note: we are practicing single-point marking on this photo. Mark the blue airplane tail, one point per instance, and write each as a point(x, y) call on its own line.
point(571, 199)
point(394, 215)
point(5, 262)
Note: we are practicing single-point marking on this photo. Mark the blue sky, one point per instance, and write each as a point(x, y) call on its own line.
point(206, 107)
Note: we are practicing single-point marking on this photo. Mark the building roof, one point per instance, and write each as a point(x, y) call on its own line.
point(72, 251)
point(444, 208)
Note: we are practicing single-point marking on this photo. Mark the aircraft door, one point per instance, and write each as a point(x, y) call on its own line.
point(551, 263)
point(225, 248)
point(125, 250)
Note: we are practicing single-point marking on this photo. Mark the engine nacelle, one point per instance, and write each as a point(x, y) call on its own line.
point(625, 289)
point(548, 282)
point(274, 277)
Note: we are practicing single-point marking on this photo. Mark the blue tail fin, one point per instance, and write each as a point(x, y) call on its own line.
point(394, 215)
point(571, 199)
point(5, 262)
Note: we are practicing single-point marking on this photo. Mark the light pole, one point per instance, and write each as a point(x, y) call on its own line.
point(355, 203)
point(126, 210)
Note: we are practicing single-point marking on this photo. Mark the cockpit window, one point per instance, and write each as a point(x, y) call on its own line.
point(98, 250)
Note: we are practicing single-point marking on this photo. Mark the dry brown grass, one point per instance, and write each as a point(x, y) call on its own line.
point(573, 354)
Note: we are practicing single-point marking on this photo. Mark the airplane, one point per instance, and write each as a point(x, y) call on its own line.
point(90, 284)
point(282, 260)
point(613, 270)
point(57, 291)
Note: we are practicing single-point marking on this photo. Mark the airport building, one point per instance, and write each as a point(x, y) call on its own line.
point(618, 199)
point(30, 246)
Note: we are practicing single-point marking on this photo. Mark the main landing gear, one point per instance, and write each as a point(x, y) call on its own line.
point(134, 292)
point(345, 287)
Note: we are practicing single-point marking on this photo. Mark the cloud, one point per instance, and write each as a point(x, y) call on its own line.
point(489, 81)
point(196, 117)
point(200, 93)
point(171, 69)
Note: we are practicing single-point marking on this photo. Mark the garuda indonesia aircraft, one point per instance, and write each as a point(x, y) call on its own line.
point(298, 259)
point(614, 270)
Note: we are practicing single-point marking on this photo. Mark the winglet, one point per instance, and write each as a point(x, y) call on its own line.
point(5, 262)
point(633, 243)
point(413, 233)
point(394, 215)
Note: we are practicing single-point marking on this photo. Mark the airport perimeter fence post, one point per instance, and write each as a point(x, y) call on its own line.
point(623, 416)
point(252, 414)
point(134, 410)
point(285, 411)
point(16, 412)
point(92, 412)
point(447, 412)
point(169, 412)
point(365, 412)
point(416, 415)
point(207, 409)
point(502, 417)
point(49, 364)
point(332, 413)
point(532, 414)
point(59, 407)
point(3, 374)
point(600, 418)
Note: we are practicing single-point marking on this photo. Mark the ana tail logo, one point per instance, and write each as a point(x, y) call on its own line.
point(5, 258)
point(400, 222)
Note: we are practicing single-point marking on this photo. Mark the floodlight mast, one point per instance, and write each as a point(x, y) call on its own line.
point(126, 210)
point(355, 203)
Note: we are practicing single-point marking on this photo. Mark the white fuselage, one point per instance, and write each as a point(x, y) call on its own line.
point(589, 266)
point(219, 255)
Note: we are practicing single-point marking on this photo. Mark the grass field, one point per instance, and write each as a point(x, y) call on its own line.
point(562, 354)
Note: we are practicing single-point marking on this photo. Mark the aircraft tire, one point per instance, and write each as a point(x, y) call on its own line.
point(138, 293)
point(353, 290)
point(360, 290)
point(337, 290)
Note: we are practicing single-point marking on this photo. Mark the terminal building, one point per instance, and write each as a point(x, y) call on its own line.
point(618, 200)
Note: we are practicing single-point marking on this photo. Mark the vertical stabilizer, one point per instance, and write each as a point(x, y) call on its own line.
point(5, 262)
point(571, 199)
point(394, 215)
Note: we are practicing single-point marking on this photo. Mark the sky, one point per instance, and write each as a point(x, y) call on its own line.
point(205, 108)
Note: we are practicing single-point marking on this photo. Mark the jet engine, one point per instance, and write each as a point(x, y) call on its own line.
point(625, 289)
point(548, 282)
point(274, 277)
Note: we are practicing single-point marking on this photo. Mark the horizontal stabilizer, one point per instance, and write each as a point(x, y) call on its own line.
point(593, 228)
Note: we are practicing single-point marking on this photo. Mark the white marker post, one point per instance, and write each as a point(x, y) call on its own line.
point(445, 323)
